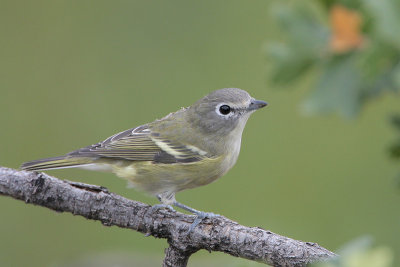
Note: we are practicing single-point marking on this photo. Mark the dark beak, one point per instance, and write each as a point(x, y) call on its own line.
point(256, 104)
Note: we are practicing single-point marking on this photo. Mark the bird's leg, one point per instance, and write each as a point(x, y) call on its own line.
point(200, 215)
point(167, 200)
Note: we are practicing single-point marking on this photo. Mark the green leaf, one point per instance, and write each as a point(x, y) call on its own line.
point(396, 77)
point(345, 81)
point(303, 26)
point(360, 253)
point(395, 120)
point(286, 65)
point(386, 19)
point(305, 37)
point(337, 89)
point(395, 150)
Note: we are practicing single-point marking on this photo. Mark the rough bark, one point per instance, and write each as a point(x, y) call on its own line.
point(216, 234)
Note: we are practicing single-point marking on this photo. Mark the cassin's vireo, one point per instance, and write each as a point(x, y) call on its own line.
point(191, 147)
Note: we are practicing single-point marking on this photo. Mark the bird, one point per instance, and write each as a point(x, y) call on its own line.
point(188, 148)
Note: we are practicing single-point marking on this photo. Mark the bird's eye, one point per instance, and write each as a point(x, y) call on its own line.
point(224, 109)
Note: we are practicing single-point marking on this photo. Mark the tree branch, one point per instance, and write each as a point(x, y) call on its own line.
point(216, 234)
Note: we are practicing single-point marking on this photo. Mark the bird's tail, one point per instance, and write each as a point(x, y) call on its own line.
point(55, 163)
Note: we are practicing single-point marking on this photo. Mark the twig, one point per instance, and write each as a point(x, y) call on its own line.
point(216, 234)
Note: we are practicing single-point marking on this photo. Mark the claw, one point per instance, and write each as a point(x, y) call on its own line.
point(161, 206)
point(200, 216)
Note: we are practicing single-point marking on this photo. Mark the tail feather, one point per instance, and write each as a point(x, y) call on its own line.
point(55, 163)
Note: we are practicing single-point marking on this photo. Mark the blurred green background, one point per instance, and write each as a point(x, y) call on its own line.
point(75, 72)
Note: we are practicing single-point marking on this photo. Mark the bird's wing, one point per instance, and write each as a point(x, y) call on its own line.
point(141, 144)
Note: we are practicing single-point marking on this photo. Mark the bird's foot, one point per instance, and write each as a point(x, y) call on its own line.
point(200, 216)
point(161, 206)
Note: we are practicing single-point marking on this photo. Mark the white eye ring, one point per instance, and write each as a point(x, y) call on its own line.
point(224, 110)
